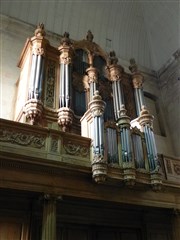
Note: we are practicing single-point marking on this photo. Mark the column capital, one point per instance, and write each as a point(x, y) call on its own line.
point(145, 117)
point(97, 105)
point(65, 49)
point(115, 70)
point(38, 41)
point(137, 77)
point(92, 73)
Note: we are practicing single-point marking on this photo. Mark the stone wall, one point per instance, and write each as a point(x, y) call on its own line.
point(169, 85)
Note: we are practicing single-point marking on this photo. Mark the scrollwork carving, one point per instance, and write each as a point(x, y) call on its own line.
point(177, 169)
point(75, 149)
point(50, 84)
point(22, 139)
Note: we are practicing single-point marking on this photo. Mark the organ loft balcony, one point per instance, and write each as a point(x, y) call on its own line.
point(80, 116)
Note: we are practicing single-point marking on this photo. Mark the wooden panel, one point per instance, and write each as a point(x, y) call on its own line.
point(10, 230)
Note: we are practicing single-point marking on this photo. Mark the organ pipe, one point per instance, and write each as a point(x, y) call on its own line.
point(65, 114)
point(99, 164)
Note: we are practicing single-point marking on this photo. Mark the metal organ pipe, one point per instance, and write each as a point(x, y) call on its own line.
point(66, 84)
point(32, 79)
point(41, 78)
point(37, 79)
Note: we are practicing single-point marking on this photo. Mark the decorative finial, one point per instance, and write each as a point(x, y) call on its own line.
point(89, 36)
point(133, 66)
point(112, 58)
point(39, 32)
point(65, 41)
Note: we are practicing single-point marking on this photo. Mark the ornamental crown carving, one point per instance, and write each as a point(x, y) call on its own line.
point(97, 105)
point(92, 74)
point(40, 32)
point(89, 36)
point(133, 66)
point(112, 58)
point(145, 117)
point(65, 41)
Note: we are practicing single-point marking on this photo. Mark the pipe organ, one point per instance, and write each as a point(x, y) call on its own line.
point(80, 89)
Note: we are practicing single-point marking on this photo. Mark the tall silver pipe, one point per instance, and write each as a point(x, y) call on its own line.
point(122, 144)
point(155, 149)
point(62, 85)
point(97, 137)
point(138, 100)
point(147, 142)
point(119, 93)
point(91, 91)
point(151, 157)
point(33, 72)
point(67, 84)
point(152, 146)
point(41, 78)
point(100, 132)
point(37, 78)
point(140, 97)
point(125, 143)
point(114, 101)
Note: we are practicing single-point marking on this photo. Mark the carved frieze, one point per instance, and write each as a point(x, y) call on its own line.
point(54, 144)
point(76, 149)
point(22, 138)
point(50, 84)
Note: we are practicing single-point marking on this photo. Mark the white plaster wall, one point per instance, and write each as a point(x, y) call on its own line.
point(170, 98)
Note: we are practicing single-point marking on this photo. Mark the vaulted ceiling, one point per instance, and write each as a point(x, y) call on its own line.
point(147, 30)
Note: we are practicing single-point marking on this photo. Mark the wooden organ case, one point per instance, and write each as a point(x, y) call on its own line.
point(79, 88)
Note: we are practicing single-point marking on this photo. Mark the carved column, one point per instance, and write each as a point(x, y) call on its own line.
point(34, 107)
point(92, 74)
point(123, 121)
point(126, 145)
point(65, 114)
point(49, 218)
point(99, 164)
point(137, 79)
point(115, 76)
point(146, 123)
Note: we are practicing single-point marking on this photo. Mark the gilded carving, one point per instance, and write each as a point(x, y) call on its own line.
point(54, 145)
point(75, 149)
point(39, 32)
point(33, 110)
point(65, 118)
point(99, 168)
point(177, 168)
point(22, 139)
point(38, 50)
point(168, 166)
point(145, 117)
point(137, 77)
point(65, 49)
point(89, 36)
point(97, 105)
point(92, 74)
